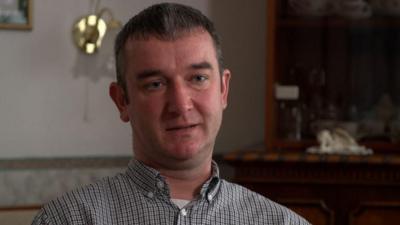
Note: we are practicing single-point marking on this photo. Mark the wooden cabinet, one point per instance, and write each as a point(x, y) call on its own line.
point(332, 70)
point(327, 71)
point(325, 189)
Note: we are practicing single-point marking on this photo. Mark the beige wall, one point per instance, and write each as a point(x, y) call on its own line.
point(48, 111)
point(242, 26)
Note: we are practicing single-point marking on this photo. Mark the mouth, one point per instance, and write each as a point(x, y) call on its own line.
point(184, 127)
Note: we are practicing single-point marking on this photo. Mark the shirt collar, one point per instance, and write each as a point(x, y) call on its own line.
point(211, 186)
point(147, 180)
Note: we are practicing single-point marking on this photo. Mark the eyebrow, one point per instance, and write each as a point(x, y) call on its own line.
point(151, 73)
point(202, 65)
point(147, 73)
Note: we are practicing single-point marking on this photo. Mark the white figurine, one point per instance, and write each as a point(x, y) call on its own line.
point(338, 141)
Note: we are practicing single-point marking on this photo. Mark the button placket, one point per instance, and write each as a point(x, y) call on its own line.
point(150, 194)
point(182, 216)
point(183, 212)
point(160, 185)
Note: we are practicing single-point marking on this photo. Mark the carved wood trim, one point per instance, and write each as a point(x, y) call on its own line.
point(323, 174)
point(257, 154)
point(298, 204)
point(376, 213)
point(292, 167)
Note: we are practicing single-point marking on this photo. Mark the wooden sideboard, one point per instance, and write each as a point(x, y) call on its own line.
point(325, 189)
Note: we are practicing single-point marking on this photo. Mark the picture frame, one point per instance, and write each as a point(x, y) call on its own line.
point(16, 14)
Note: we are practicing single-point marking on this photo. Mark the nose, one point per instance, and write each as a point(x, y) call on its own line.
point(179, 98)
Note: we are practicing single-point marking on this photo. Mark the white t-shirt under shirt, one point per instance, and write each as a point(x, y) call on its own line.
point(180, 202)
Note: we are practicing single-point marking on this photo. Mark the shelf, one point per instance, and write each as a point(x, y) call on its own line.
point(377, 146)
point(260, 155)
point(294, 145)
point(336, 22)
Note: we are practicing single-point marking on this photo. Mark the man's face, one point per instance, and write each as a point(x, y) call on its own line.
point(176, 98)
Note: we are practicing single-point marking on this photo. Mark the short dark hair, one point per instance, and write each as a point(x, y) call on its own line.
point(165, 21)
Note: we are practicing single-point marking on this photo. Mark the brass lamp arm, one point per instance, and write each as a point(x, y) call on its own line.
point(89, 30)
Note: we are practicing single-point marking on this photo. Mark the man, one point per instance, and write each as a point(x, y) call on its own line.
point(172, 88)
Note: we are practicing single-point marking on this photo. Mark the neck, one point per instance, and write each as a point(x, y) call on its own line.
point(186, 184)
point(184, 177)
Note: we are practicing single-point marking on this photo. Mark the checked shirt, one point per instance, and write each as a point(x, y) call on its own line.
point(141, 196)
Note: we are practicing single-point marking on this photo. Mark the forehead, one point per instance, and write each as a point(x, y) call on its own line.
point(154, 53)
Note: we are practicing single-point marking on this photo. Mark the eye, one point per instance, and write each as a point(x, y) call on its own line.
point(199, 78)
point(153, 85)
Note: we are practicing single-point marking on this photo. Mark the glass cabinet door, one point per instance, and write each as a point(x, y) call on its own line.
point(336, 65)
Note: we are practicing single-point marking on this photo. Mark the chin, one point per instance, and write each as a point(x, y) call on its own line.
point(185, 152)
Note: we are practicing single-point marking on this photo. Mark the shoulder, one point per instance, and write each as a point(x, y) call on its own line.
point(238, 192)
point(258, 206)
point(84, 203)
point(95, 193)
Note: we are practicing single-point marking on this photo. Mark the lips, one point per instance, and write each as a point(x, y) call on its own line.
point(181, 127)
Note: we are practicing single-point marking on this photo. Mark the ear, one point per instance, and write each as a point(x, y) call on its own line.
point(117, 94)
point(226, 76)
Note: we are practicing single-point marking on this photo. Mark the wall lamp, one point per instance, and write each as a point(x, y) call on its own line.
point(89, 30)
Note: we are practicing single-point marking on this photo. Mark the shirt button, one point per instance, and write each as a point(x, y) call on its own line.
point(183, 212)
point(160, 185)
point(150, 194)
point(209, 197)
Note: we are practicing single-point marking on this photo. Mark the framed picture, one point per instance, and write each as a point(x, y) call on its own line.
point(16, 14)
